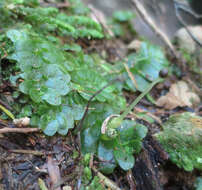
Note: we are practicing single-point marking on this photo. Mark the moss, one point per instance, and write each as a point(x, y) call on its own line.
point(182, 139)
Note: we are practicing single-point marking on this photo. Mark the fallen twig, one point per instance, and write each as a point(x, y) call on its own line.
point(141, 10)
point(18, 130)
point(130, 75)
point(157, 119)
point(88, 104)
point(131, 180)
point(34, 152)
point(106, 180)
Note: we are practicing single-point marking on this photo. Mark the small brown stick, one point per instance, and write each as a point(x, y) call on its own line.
point(100, 18)
point(78, 129)
point(105, 180)
point(141, 10)
point(131, 180)
point(157, 119)
point(34, 152)
point(18, 130)
point(130, 75)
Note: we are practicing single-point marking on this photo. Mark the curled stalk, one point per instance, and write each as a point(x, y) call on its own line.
point(116, 122)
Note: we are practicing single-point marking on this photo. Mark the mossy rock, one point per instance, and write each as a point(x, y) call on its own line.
point(182, 139)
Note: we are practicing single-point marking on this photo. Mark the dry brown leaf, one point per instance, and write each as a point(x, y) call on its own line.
point(54, 172)
point(178, 95)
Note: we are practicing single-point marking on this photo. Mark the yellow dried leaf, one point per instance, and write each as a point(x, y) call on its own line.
point(178, 95)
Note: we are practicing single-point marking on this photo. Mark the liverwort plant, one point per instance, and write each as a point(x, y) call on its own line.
point(52, 79)
point(124, 136)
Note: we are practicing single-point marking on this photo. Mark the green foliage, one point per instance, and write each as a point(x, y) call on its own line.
point(181, 138)
point(46, 72)
point(77, 7)
point(95, 184)
point(120, 138)
point(123, 16)
point(56, 101)
point(145, 65)
point(121, 23)
point(49, 19)
point(118, 150)
point(198, 183)
point(44, 69)
point(52, 78)
point(44, 80)
point(87, 176)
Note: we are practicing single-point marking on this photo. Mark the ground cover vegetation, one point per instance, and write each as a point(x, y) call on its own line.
point(52, 77)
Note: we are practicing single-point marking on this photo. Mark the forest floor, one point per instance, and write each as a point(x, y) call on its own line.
point(27, 157)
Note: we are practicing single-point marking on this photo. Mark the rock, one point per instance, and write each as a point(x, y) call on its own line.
point(185, 41)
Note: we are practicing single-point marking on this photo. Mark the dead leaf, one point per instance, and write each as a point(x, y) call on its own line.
point(178, 95)
point(54, 172)
point(22, 122)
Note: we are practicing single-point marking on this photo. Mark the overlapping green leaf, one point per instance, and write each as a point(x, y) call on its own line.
point(118, 150)
point(123, 16)
point(145, 65)
point(43, 70)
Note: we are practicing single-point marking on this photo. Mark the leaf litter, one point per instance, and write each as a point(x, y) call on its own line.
point(179, 94)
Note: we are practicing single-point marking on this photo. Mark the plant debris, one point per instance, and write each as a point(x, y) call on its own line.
point(179, 95)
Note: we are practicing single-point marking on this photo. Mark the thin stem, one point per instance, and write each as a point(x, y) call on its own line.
point(136, 101)
point(7, 112)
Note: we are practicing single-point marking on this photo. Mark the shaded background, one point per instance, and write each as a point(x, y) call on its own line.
point(162, 12)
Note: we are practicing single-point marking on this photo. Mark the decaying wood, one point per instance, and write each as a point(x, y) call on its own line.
point(145, 171)
point(34, 152)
